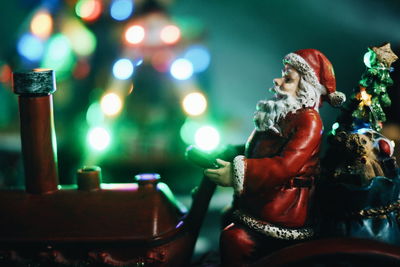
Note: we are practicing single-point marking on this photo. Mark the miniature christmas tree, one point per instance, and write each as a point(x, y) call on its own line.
point(366, 105)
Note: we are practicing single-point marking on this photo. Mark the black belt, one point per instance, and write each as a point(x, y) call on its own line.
point(302, 182)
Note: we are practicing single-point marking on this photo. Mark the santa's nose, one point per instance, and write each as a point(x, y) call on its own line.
point(278, 82)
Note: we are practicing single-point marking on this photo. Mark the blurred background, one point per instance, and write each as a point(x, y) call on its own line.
point(140, 80)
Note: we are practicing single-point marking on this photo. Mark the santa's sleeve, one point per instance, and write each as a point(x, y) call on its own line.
point(256, 174)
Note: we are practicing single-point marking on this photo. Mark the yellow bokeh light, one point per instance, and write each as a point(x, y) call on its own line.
point(42, 24)
point(194, 104)
point(111, 104)
point(135, 34)
point(170, 34)
point(82, 40)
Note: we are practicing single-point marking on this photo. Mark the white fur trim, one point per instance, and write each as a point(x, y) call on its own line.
point(337, 98)
point(238, 174)
point(305, 69)
point(271, 230)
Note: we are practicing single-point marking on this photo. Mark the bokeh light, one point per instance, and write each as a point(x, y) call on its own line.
point(194, 104)
point(161, 60)
point(5, 73)
point(135, 34)
point(99, 138)
point(137, 61)
point(199, 56)
point(58, 56)
point(188, 130)
point(94, 115)
point(121, 9)
point(42, 24)
point(30, 47)
point(111, 104)
point(82, 40)
point(170, 34)
point(123, 69)
point(181, 69)
point(89, 10)
point(207, 138)
point(82, 69)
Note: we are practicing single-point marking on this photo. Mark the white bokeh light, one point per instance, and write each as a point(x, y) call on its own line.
point(207, 138)
point(123, 69)
point(181, 69)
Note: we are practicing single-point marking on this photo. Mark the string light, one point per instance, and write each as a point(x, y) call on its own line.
point(94, 114)
point(121, 9)
point(82, 40)
point(42, 24)
point(170, 34)
point(161, 60)
point(123, 69)
point(5, 73)
point(30, 47)
point(82, 69)
point(199, 56)
point(135, 34)
point(207, 138)
point(88, 10)
point(59, 54)
point(99, 138)
point(111, 104)
point(181, 69)
point(194, 104)
point(188, 130)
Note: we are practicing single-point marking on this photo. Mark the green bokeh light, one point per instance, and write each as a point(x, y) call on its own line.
point(99, 138)
point(58, 55)
point(94, 114)
point(83, 8)
point(188, 131)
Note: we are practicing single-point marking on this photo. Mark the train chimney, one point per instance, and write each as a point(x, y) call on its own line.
point(38, 139)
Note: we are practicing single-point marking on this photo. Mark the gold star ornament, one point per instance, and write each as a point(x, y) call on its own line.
point(385, 55)
point(364, 98)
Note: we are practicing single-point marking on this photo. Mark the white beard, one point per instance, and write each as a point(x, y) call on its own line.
point(269, 112)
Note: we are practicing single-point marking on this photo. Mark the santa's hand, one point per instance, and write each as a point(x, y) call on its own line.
point(221, 176)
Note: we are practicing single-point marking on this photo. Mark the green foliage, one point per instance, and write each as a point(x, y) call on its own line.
point(367, 105)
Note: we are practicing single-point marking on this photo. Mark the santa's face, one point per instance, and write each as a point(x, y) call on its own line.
point(289, 82)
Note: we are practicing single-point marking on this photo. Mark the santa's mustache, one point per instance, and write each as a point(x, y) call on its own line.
point(280, 97)
point(279, 93)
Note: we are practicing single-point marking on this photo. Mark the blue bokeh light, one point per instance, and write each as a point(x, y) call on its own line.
point(123, 69)
point(138, 61)
point(121, 9)
point(30, 47)
point(199, 56)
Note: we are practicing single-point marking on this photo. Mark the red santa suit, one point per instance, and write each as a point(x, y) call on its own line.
point(279, 170)
point(274, 180)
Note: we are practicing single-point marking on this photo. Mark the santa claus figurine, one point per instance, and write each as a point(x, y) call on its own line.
point(274, 180)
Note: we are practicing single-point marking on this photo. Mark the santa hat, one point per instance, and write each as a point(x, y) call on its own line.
point(317, 70)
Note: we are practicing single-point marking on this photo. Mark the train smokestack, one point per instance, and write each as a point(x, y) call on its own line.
point(38, 139)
